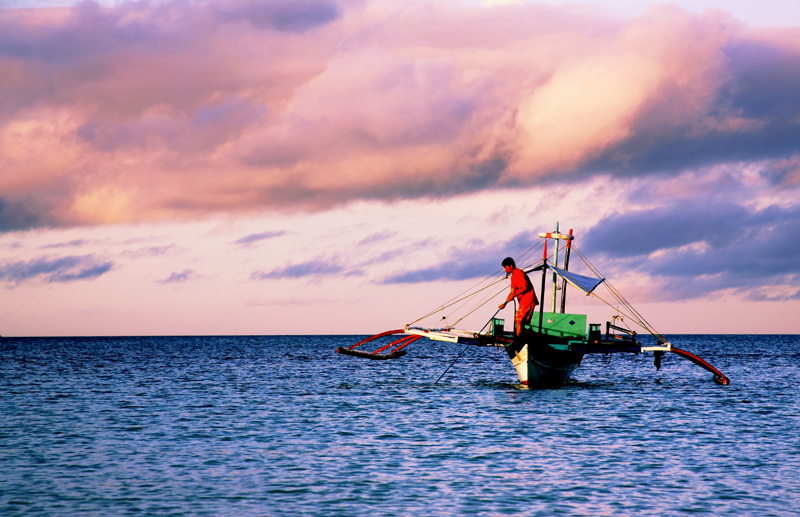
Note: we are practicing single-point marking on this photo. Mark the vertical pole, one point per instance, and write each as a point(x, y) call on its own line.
point(555, 278)
point(544, 280)
point(566, 268)
point(541, 308)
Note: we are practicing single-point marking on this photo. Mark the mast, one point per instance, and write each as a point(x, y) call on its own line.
point(544, 283)
point(566, 268)
point(555, 277)
point(555, 236)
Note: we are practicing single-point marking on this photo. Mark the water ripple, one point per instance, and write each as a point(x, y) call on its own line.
point(283, 426)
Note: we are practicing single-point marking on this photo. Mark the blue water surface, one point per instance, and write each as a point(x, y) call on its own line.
point(282, 425)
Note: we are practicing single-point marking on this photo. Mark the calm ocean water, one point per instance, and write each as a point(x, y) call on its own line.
point(285, 426)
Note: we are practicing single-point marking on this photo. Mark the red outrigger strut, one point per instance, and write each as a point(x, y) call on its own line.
point(393, 354)
point(719, 377)
point(406, 341)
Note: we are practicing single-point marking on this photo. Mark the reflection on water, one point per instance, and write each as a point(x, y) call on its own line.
point(282, 425)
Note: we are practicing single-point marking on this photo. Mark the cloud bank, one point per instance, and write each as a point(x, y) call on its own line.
point(680, 246)
point(181, 109)
point(695, 249)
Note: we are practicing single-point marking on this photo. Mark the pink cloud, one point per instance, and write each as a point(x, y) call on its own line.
point(179, 109)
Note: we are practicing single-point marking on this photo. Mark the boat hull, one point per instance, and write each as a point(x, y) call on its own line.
point(549, 367)
point(542, 364)
point(546, 355)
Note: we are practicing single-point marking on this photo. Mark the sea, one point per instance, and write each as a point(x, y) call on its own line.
point(283, 425)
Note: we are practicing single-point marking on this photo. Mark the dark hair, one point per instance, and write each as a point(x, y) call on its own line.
point(508, 261)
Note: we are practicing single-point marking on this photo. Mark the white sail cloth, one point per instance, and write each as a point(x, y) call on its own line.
point(587, 284)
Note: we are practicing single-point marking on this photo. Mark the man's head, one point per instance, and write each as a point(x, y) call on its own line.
point(508, 264)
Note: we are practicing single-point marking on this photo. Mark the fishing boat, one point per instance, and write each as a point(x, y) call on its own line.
point(548, 349)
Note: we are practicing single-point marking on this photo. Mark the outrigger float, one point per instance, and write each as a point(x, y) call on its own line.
point(552, 346)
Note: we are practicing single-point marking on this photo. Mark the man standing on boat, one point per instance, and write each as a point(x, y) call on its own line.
point(522, 290)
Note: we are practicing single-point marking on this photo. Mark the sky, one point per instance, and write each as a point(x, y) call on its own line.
point(183, 167)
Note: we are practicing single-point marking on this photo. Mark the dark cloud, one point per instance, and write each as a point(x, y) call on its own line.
point(696, 249)
point(306, 120)
point(54, 270)
point(151, 251)
point(281, 15)
point(475, 260)
point(782, 172)
point(257, 237)
point(754, 116)
point(304, 269)
point(90, 30)
point(87, 272)
point(209, 125)
point(75, 243)
point(76, 60)
point(638, 233)
point(764, 80)
point(476, 175)
point(23, 215)
point(460, 269)
point(693, 248)
point(176, 278)
point(675, 150)
point(93, 30)
point(376, 237)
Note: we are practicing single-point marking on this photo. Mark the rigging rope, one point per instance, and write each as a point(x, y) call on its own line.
point(479, 305)
point(447, 305)
point(460, 302)
point(633, 313)
point(465, 349)
point(468, 293)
